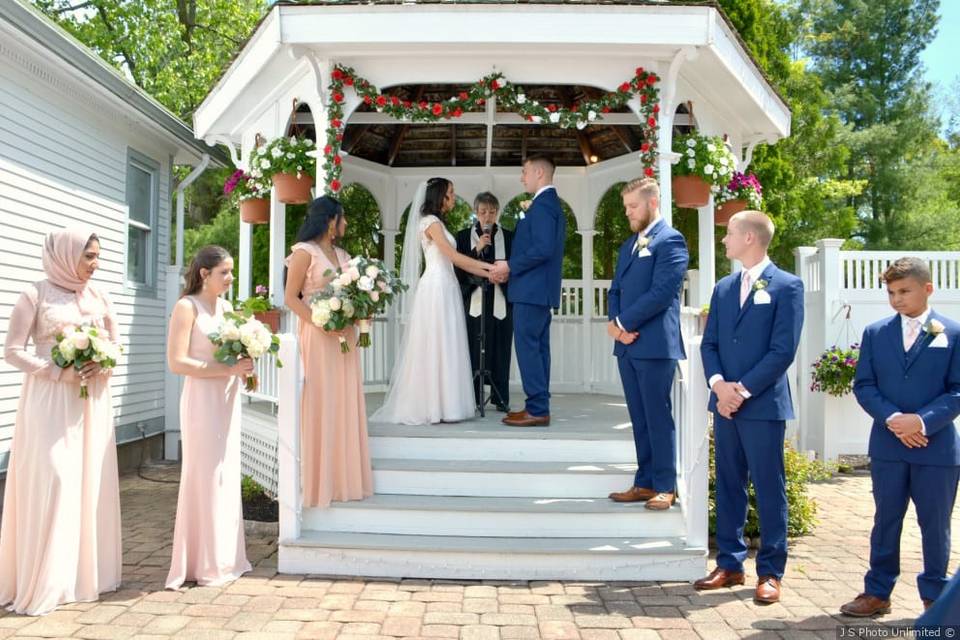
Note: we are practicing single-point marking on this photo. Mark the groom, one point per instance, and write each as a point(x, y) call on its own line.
point(534, 271)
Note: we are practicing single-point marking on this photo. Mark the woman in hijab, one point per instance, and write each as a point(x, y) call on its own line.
point(60, 534)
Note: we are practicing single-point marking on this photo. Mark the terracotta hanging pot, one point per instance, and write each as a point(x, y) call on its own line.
point(270, 318)
point(690, 192)
point(291, 190)
point(255, 210)
point(727, 210)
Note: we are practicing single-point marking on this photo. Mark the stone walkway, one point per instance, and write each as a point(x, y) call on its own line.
point(825, 570)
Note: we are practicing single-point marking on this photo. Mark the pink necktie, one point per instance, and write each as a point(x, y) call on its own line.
point(744, 287)
point(913, 328)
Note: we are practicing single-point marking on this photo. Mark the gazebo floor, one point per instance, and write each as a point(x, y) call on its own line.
point(478, 499)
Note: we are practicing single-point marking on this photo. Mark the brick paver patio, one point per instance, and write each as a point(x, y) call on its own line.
point(825, 570)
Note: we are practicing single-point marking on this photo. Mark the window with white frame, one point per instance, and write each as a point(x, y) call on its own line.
point(143, 195)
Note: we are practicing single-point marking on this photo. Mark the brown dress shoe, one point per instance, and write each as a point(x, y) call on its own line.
point(516, 414)
point(661, 501)
point(864, 606)
point(633, 494)
point(768, 590)
point(718, 579)
point(527, 420)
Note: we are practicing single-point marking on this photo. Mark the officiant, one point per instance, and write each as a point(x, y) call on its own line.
point(486, 240)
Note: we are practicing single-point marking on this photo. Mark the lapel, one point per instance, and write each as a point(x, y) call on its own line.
point(652, 235)
point(919, 345)
point(766, 274)
point(894, 334)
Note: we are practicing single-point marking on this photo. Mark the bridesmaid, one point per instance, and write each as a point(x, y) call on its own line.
point(335, 461)
point(60, 535)
point(208, 542)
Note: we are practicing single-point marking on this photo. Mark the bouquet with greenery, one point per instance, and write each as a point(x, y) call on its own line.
point(291, 155)
point(76, 346)
point(370, 286)
point(706, 157)
point(241, 337)
point(742, 187)
point(834, 370)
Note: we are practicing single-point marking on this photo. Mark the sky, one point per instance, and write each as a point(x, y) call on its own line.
point(940, 57)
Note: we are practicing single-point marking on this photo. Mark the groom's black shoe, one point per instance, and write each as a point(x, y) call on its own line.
point(526, 420)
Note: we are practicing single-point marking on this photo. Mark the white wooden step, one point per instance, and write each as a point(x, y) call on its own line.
point(497, 517)
point(499, 478)
point(500, 558)
point(516, 449)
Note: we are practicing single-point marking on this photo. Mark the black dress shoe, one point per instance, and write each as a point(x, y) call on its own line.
point(502, 408)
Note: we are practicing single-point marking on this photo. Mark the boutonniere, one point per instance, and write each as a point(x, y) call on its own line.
point(933, 327)
point(525, 204)
point(642, 243)
point(759, 285)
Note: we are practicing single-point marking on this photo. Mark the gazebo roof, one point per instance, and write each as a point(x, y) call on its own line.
point(558, 43)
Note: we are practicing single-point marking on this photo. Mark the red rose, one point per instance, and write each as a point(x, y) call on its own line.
point(464, 96)
point(643, 98)
point(335, 123)
point(407, 104)
point(348, 81)
point(652, 79)
point(327, 149)
point(337, 160)
point(645, 147)
point(625, 87)
point(367, 99)
point(381, 101)
point(437, 109)
point(551, 108)
point(335, 185)
point(639, 71)
point(337, 74)
point(457, 112)
point(339, 137)
point(529, 117)
point(648, 172)
point(337, 97)
point(394, 100)
point(605, 109)
point(494, 84)
point(575, 107)
point(481, 102)
point(423, 104)
point(656, 108)
point(651, 121)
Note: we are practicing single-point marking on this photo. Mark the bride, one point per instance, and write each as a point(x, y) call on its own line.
point(431, 380)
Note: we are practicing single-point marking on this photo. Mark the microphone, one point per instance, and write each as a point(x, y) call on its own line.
point(487, 228)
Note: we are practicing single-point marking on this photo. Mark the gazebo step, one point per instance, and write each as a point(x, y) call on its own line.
point(495, 517)
point(495, 558)
point(527, 445)
point(497, 478)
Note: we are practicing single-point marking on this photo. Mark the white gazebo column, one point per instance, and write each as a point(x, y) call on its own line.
point(706, 275)
point(278, 249)
point(589, 296)
point(245, 261)
point(665, 161)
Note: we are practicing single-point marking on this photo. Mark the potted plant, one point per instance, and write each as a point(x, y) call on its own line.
point(705, 166)
point(259, 306)
point(288, 162)
point(252, 194)
point(742, 192)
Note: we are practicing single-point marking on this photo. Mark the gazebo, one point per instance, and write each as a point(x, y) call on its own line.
point(398, 92)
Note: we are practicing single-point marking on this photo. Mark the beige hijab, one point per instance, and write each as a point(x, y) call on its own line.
point(62, 250)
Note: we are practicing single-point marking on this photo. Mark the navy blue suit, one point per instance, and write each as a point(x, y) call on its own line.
point(645, 298)
point(754, 345)
point(535, 269)
point(926, 381)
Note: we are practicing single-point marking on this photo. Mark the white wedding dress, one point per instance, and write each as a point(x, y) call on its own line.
point(432, 381)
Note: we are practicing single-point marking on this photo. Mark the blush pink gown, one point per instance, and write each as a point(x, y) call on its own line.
point(208, 542)
point(60, 537)
point(335, 459)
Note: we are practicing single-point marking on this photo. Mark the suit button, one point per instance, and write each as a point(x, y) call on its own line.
point(735, 340)
point(905, 376)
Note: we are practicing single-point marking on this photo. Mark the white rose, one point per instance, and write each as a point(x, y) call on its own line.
point(80, 340)
point(319, 317)
point(691, 142)
point(375, 295)
point(320, 305)
point(555, 117)
point(382, 285)
point(691, 163)
point(581, 124)
point(711, 147)
point(343, 280)
point(230, 331)
point(521, 99)
point(255, 349)
point(354, 261)
point(308, 142)
point(388, 289)
point(354, 274)
point(335, 304)
point(537, 119)
point(293, 140)
point(365, 283)
point(348, 309)
point(67, 350)
point(373, 271)
point(708, 168)
point(591, 115)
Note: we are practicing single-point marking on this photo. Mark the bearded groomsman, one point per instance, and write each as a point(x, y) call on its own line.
point(644, 314)
point(750, 340)
point(908, 380)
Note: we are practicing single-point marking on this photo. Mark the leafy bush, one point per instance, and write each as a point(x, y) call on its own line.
point(802, 509)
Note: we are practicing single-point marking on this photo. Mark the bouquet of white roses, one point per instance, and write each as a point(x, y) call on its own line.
point(332, 311)
point(76, 346)
point(370, 287)
point(242, 337)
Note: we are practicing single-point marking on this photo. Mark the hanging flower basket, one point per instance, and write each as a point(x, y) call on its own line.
point(291, 189)
point(690, 192)
point(727, 210)
point(255, 210)
point(270, 318)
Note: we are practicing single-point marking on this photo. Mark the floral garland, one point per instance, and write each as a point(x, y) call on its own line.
point(643, 84)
